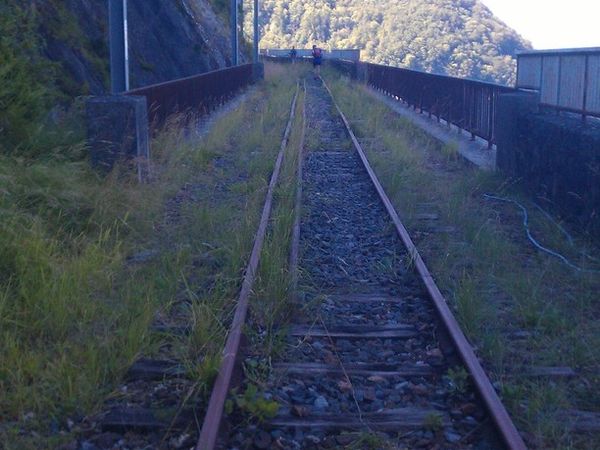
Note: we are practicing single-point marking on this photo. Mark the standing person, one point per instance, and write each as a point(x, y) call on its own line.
point(293, 54)
point(317, 55)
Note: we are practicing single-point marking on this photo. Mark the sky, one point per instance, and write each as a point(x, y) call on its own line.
point(552, 23)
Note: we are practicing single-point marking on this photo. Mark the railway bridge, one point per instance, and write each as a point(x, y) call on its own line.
point(371, 353)
point(370, 349)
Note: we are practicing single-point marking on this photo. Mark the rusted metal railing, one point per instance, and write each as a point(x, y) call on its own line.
point(347, 68)
point(468, 104)
point(199, 93)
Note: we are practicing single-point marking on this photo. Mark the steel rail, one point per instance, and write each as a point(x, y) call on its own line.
point(214, 412)
point(295, 245)
point(504, 424)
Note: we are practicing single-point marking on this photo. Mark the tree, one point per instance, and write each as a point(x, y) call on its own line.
point(457, 37)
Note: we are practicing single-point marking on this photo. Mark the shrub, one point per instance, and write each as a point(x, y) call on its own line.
point(25, 78)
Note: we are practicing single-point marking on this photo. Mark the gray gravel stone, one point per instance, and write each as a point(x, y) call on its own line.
point(452, 437)
point(321, 403)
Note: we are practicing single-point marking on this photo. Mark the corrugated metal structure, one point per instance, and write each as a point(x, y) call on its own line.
point(568, 80)
point(340, 54)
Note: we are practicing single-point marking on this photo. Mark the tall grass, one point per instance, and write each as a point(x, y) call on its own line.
point(73, 314)
point(75, 311)
point(270, 303)
point(226, 221)
point(271, 307)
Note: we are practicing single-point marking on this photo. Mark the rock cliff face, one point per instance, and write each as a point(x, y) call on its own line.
point(168, 39)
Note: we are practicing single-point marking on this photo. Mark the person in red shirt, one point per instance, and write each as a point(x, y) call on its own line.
point(317, 55)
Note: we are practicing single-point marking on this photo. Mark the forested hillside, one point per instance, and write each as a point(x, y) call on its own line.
point(457, 37)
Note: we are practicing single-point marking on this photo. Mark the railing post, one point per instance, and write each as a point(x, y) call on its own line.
point(119, 59)
point(585, 87)
point(558, 85)
point(474, 116)
point(464, 108)
point(491, 103)
point(234, 32)
point(256, 31)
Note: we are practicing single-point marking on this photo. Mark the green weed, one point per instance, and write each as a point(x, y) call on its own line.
point(253, 404)
point(370, 441)
point(433, 422)
point(458, 380)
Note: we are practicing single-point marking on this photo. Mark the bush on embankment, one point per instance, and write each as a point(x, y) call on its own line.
point(25, 79)
point(72, 315)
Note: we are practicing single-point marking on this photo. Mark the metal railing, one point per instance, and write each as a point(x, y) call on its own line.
point(343, 54)
point(465, 103)
point(568, 80)
point(199, 93)
point(348, 68)
point(468, 104)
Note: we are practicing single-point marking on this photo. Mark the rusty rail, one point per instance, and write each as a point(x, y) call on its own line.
point(214, 412)
point(294, 253)
point(500, 416)
point(199, 93)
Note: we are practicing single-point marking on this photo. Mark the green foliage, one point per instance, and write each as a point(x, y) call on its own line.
point(458, 379)
point(370, 441)
point(450, 150)
point(222, 8)
point(253, 404)
point(30, 84)
point(63, 331)
point(433, 422)
point(58, 23)
point(457, 37)
point(257, 370)
point(25, 84)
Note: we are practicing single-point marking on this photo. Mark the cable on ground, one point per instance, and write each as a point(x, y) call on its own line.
point(533, 240)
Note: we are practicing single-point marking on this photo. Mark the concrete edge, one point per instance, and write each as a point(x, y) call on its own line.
point(475, 151)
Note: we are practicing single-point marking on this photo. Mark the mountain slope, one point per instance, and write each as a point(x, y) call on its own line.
point(52, 51)
point(457, 37)
point(167, 40)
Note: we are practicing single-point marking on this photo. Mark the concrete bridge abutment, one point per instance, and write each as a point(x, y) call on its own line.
point(117, 131)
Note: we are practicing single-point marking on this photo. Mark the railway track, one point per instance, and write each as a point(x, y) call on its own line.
point(374, 357)
point(154, 406)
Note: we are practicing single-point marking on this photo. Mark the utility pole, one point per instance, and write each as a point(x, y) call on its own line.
point(256, 32)
point(234, 32)
point(119, 53)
